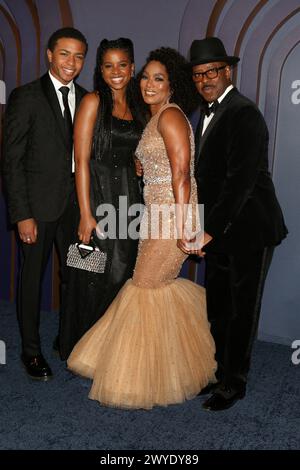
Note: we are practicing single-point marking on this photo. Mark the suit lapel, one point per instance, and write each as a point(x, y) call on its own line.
point(220, 111)
point(79, 93)
point(51, 96)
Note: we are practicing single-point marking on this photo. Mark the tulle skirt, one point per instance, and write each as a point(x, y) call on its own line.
point(152, 347)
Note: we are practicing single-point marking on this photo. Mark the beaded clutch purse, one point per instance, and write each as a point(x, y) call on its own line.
point(86, 257)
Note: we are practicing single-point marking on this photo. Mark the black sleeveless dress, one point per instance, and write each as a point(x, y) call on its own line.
point(89, 294)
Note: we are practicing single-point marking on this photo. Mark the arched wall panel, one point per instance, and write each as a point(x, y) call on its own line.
point(282, 294)
point(229, 25)
point(194, 23)
point(271, 73)
point(12, 48)
point(37, 27)
point(50, 20)
point(25, 26)
point(255, 39)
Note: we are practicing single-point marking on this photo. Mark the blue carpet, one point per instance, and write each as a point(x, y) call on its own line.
point(58, 414)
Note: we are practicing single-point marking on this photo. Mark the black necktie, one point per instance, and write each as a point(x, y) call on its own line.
point(212, 109)
point(67, 116)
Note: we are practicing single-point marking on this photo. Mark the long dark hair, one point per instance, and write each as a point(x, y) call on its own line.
point(102, 131)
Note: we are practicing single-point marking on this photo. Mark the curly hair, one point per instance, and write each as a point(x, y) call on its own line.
point(184, 92)
point(102, 131)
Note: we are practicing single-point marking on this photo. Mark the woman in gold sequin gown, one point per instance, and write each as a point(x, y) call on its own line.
point(153, 345)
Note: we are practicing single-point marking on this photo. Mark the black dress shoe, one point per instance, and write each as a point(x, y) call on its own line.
point(223, 398)
point(210, 388)
point(37, 367)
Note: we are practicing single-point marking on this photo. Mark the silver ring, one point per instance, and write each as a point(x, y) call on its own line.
point(28, 239)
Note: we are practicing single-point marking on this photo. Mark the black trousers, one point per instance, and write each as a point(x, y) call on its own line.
point(34, 262)
point(234, 288)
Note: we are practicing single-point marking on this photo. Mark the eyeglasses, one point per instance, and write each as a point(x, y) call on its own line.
point(211, 73)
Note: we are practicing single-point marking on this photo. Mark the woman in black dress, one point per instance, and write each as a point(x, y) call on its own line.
point(107, 129)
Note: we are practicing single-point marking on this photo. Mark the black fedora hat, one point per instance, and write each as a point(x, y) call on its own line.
point(208, 50)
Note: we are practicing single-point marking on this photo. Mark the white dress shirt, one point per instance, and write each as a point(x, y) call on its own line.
point(207, 119)
point(71, 96)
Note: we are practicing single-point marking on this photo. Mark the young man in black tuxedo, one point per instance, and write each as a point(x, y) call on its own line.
point(243, 220)
point(37, 170)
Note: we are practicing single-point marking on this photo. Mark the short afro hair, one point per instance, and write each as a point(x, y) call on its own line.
point(69, 32)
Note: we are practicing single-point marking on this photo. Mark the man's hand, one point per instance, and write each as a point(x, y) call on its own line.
point(138, 167)
point(27, 229)
point(205, 239)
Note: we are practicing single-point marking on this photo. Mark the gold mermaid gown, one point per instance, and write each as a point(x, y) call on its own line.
point(153, 345)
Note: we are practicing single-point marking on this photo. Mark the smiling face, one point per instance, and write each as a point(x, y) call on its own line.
point(67, 59)
point(211, 88)
point(116, 68)
point(155, 85)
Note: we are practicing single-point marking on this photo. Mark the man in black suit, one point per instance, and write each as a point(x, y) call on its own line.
point(37, 170)
point(243, 220)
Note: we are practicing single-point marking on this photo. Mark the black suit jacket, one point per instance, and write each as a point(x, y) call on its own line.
point(234, 184)
point(36, 160)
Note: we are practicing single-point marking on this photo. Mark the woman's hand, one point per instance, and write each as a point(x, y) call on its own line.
point(194, 246)
point(86, 226)
point(138, 167)
point(182, 245)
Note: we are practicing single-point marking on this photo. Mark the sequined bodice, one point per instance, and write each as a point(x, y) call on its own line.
point(151, 151)
point(159, 259)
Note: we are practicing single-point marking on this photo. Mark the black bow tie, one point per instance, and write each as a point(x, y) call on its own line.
point(212, 108)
